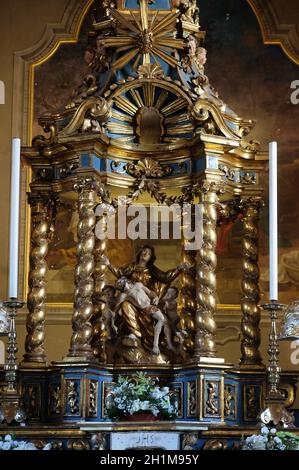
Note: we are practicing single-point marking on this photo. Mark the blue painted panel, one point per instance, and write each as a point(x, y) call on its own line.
point(116, 167)
point(156, 5)
point(92, 161)
point(232, 125)
point(198, 165)
point(209, 162)
point(180, 169)
point(85, 160)
point(212, 162)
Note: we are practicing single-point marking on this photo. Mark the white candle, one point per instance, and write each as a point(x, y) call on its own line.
point(273, 222)
point(14, 219)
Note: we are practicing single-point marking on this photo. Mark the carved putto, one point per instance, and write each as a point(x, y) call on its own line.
point(190, 11)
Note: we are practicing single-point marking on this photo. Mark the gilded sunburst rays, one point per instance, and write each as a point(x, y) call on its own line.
point(142, 39)
point(172, 110)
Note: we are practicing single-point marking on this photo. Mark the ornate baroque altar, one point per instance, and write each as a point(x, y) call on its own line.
point(146, 126)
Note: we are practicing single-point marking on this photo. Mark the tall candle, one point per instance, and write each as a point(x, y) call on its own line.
point(14, 219)
point(273, 225)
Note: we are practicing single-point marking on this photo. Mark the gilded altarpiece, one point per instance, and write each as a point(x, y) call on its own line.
point(144, 125)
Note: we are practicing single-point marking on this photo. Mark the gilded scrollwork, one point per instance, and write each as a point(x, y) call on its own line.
point(86, 89)
point(89, 117)
point(54, 400)
point(212, 400)
point(229, 211)
point(252, 145)
point(72, 397)
point(229, 401)
point(248, 178)
point(192, 399)
point(41, 141)
point(189, 440)
point(190, 11)
point(32, 401)
point(68, 169)
point(215, 444)
point(98, 441)
point(93, 398)
point(153, 71)
point(78, 444)
point(252, 402)
point(229, 173)
point(148, 168)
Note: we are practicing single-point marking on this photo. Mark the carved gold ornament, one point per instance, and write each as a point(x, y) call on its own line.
point(148, 168)
point(141, 39)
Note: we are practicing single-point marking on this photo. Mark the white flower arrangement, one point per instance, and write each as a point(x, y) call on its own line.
point(9, 443)
point(271, 439)
point(139, 393)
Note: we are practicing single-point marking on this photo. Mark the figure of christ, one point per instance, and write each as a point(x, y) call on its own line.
point(147, 301)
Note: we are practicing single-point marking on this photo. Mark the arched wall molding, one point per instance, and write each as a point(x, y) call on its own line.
point(274, 31)
point(67, 31)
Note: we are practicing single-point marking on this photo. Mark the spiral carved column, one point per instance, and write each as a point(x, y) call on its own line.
point(251, 336)
point(188, 296)
point(84, 281)
point(35, 324)
point(206, 276)
point(99, 328)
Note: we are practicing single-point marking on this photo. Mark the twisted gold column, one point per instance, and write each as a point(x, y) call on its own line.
point(40, 222)
point(188, 296)
point(84, 282)
point(99, 329)
point(251, 336)
point(205, 324)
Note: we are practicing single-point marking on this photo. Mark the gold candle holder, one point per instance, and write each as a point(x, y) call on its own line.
point(10, 400)
point(275, 412)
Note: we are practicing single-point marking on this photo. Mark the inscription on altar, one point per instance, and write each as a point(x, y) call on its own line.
point(145, 440)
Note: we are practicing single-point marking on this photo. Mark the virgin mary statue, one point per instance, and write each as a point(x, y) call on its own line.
point(135, 329)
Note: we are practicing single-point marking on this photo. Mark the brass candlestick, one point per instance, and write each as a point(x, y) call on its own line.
point(275, 412)
point(10, 407)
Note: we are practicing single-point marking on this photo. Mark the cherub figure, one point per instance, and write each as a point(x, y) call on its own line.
point(109, 298)
point(170, 308)
point(191, 13)
point(147, 301)
point(201, 58)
